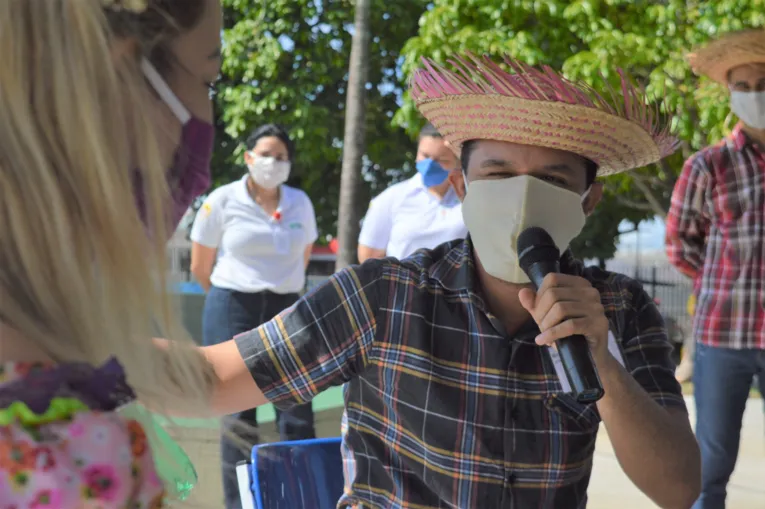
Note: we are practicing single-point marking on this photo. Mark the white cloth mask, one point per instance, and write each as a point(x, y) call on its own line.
point(267, 172)
point(749, 107)
point(496, 211)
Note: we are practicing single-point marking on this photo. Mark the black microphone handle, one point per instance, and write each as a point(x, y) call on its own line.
point(575, 354)
point(538, 270)
point(576, 357)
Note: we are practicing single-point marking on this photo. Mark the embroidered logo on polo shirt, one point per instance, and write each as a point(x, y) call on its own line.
point(295, 226)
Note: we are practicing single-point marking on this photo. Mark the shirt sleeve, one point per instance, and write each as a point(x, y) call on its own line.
point(647, 350)
point(688, 221)
point(378, 223)
point(324, 340)
point(311, 231)
point(208, 223)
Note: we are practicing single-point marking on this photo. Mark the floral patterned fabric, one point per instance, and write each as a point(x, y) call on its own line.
point(91, 459)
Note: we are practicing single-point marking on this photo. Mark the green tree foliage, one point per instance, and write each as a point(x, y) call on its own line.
point(589, 40)
point(286, 61)
point(599, 237)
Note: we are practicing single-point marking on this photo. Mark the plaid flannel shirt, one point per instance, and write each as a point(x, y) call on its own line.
point(442, 408)
point(716, 235)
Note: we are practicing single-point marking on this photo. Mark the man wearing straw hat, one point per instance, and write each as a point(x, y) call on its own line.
point(452, 395)
point(715, 235)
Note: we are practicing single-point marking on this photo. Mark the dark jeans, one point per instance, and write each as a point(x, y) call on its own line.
point(722, 379)
point(226, 314)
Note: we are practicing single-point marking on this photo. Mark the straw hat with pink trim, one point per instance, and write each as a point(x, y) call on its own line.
point(717, 58)
point(478, 100)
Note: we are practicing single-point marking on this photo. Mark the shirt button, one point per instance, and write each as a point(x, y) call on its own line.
point(510, 478)
point(514, 413)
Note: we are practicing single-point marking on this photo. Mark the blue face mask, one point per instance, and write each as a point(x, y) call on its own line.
point(432, 173)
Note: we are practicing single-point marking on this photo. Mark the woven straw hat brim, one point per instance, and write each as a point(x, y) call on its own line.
point(613, 143)
point(718, 58)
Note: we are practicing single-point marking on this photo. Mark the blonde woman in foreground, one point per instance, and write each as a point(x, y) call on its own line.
point(105, 136)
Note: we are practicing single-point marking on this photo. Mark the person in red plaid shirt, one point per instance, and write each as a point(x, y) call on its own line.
point(716, 235)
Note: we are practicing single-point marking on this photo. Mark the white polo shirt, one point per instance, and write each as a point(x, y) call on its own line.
point(256, 251)
point(407, 217)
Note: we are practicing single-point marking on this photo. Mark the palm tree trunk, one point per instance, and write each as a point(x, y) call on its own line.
point(348, 219)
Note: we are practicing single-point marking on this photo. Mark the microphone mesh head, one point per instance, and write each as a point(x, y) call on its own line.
point(533, 236)
point(535, 244)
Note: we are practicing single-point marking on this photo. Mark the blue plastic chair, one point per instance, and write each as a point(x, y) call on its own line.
point(292, 475)
point(189, 287)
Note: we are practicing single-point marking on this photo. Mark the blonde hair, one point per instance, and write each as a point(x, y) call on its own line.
point(79, 276)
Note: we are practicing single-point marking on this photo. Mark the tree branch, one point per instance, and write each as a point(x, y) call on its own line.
point(653, 202)
point(653, 181)
point(667, 182)
point(686, 149)
point(625, 232)
point(634, 204)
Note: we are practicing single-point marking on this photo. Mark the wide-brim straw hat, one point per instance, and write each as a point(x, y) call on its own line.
point(479, 100)
point(716, 59)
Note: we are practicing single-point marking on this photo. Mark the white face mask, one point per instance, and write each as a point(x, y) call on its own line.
point(749, 107)
point(496, 211)
point(267, 172)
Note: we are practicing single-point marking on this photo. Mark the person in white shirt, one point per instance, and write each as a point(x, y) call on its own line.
point(420, 212)
point(251, 241)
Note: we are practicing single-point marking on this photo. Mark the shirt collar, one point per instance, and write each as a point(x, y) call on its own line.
point(456, 269)
point(456, 272)
point(419, 187)
point(739, 137)
point(741, 140)
point(284, 197)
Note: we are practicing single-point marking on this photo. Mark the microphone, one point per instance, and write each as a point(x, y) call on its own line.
point(538, 256)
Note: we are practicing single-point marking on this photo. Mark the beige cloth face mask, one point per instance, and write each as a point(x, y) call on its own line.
point(496, 211)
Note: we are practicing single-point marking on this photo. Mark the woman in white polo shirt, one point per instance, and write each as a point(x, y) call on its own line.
point(251, 243)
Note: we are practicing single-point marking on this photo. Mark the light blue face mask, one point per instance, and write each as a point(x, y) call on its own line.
point(433, 174)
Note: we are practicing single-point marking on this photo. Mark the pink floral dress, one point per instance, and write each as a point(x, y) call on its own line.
point(62, 446)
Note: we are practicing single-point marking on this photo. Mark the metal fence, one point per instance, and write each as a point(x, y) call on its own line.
point(662, 282)
point(179, 262)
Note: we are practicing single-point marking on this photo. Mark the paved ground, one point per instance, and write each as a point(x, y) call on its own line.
point(609, 487)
